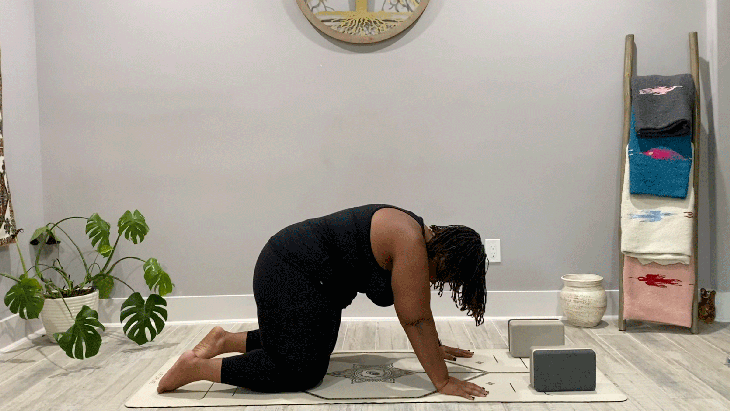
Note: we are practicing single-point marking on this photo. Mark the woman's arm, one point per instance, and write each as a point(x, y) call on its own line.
point(412, 301)
point(422, 335)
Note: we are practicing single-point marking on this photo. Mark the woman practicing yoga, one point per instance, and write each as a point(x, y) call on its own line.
point(309, 272)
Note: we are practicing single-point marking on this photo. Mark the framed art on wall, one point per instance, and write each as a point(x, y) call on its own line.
point(7, 220)
point(362, 21)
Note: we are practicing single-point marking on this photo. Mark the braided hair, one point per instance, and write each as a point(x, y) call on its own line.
point(460, 258)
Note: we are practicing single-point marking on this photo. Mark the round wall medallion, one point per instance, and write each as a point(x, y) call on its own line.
point(362, 21)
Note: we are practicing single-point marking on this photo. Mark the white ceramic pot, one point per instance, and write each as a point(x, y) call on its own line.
point(583, 299)
point(56, 317)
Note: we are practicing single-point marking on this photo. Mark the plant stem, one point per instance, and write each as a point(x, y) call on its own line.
point(91, 267)
point(60, 292)
point(118, 279)
point(12, 278)
point(69, 310)
point(114, 249)
point(22, 260)
point(48, 267)
point(117, 262)
point(38, 273)
point(60, 271)
point(86, 267)
point(90, 278)
point(43, 243)
point(114, 265)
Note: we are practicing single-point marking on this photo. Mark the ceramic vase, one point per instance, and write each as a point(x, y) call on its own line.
point(583, 299)
point(56, 317)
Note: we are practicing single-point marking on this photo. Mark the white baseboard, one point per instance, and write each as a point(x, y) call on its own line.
point(14, 329)
point(232, 308)
point(242, 308)
point(722, 307)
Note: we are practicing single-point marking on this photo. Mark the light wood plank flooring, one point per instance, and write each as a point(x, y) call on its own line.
point(658, 367)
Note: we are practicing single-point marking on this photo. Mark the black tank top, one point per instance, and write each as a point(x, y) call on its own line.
point(336, 250)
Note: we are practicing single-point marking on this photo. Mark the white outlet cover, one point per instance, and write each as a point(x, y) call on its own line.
point(493, 250)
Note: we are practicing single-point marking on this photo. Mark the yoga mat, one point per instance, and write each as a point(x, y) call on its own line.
point(381, 377)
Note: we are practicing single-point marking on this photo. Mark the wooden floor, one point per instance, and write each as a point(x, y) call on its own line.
point(658, 367)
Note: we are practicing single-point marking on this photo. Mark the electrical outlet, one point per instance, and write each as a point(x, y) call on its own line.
point(492, 248)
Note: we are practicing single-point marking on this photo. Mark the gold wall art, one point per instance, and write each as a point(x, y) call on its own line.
point(7, 220)
point(362, 21)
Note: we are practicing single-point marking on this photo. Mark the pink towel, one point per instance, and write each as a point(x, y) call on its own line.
point(660, 293)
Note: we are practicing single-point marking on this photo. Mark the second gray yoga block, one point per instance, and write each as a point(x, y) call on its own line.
point(523, 334)
point(563, 369)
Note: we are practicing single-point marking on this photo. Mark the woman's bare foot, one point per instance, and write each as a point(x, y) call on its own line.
point(184, 371)
point(212, 344)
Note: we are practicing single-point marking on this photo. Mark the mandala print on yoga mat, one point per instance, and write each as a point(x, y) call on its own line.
point(7, 220)
point(371, 373)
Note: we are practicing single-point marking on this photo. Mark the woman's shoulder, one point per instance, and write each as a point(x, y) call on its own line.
point(391, 220)
point(390, 228)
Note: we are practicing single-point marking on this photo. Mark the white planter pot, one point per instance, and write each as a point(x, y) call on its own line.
point(583, 299)
point(56, 317)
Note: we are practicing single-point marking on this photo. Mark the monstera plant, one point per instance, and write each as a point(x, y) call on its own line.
point(141, 318)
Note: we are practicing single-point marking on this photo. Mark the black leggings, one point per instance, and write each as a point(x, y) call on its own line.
point(298, 326)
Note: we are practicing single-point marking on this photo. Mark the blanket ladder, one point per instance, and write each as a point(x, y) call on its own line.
point(628, 73)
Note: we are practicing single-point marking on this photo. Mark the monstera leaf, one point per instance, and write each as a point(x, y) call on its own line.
point(82, 340)
point(149, 316)
point(98, 231)
point(25, 298)
point(133, 226)
point(104, 283)
point(156, 277)
point(45, 235)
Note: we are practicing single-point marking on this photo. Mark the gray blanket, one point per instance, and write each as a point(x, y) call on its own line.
point(663, 105)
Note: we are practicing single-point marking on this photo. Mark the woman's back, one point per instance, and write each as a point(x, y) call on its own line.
point(337, 249)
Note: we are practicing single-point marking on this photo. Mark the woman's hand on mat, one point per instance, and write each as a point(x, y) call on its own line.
point(450, 353)
point(459, 388)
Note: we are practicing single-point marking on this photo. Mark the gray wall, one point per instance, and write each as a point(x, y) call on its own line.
point(720, 176)
point(21, 132)
point(224, 121)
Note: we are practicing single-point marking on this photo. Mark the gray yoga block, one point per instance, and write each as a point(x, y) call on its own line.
point(563, 369)
point(523, 334)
